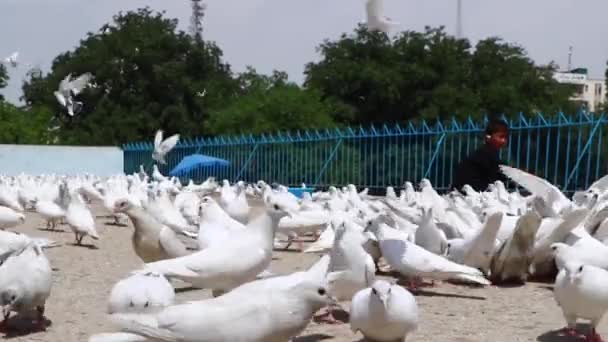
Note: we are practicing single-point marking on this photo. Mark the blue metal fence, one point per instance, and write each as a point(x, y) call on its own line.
point(566, 150)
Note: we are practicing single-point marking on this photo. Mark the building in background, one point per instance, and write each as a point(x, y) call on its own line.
point(590, 93)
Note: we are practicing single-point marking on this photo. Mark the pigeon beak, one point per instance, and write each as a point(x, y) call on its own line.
point(332, 300)
point(384, 300)
point(6, 310)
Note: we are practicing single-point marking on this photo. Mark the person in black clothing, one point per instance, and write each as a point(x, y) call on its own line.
point(481, 168)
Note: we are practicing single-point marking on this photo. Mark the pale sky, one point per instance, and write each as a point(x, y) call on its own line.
point(283, 34)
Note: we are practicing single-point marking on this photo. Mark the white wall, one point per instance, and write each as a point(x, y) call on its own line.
point(69, 160)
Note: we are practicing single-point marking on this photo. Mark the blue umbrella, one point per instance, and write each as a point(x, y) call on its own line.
point(194, 161)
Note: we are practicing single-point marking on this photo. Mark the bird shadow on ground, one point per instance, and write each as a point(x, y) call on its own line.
point(19, 327)
point(560, 336)
point(509, 284)
point(115, 224)
point(546, 287)
point(427, 293)
point(389, 273)
point(84, 245)
point(287, 250)
point(312, 338)
point(185, 289)
point(52, 230)
point(340, 315)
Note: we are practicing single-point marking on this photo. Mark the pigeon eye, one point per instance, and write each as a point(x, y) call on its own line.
point(374, 291)
point(580, 269)
point(321, 291)
point(276, 207)
point(146, 305)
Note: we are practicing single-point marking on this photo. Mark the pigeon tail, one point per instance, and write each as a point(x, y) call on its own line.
point(139, 324)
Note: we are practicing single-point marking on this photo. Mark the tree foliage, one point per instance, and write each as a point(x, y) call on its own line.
point(148, 75)
point(24, 127)
point(431, 75)
point(3, 78)
point(272, 103)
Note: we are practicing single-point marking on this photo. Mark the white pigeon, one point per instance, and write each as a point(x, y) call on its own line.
point(302, 223)
point(315, 273)
point(580, 290)
point(141, 292)
point(162, 147)
point(555, 199)
point(160, 207)
point(51, 212)
point(375, 17)
point(79, 218)
point(324, 242)
point(549, 232)
point(478, 250)
point(350, 269)
point(428, 236)
point(68, 88)
point(188, 203)
point(275, 315)
point(25, 283)
point(215, 225)
point(117, 337)
point(384, 312)
point(512, 260)
point(222, 267)
point(584, 248)
point(151, 240)
point(10, 218)
point(12, 59)
point(156, 175)
point(234, 202)
point(13, 241)
point(412, 260)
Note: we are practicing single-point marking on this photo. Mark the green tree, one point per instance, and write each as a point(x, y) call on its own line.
point(148, 75)
point(431, 75)
point(3, 79)
point(272, 103)
point(419, 74)
point(507, 81)
point(25, 126)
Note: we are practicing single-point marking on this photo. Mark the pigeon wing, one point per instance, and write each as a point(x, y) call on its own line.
point(600, 185)
point(60, 98)
point(158, 139)
point(169, 143)
point(374, 8)
point(534, 184)
point(78, 84)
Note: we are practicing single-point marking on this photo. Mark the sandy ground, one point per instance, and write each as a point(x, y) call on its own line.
point(84, 276)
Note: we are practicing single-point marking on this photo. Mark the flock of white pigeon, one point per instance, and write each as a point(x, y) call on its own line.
point(472, 238)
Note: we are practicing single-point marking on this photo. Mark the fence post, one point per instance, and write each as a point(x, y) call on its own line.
point(329, 159)
point(251, 154)
point(432, 161)
point(582, 153)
